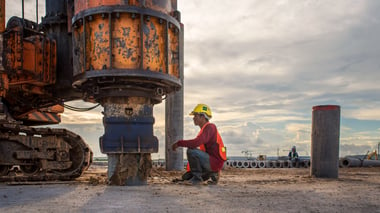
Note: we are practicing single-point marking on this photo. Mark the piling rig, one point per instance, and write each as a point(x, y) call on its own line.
point(122, 54)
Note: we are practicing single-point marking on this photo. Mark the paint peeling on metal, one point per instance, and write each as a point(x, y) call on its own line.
point(157, 50)
point(154, 46)
point(173, 52)
point(116, 107)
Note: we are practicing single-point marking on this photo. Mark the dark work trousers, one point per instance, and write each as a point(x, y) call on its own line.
point(199, 162)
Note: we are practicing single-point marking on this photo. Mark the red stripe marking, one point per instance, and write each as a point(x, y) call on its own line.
point(326, 107)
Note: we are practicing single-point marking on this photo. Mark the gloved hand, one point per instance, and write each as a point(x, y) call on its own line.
point(175, 146)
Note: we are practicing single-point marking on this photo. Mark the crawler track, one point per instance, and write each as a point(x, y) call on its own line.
point(41, 154)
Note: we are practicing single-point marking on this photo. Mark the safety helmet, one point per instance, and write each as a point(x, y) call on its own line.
point(202, 109)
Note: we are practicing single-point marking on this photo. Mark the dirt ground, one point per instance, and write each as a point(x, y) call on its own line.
point(239, 190)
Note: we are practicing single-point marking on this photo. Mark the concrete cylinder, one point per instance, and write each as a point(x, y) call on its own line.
point(325, 141)
point(174, 118)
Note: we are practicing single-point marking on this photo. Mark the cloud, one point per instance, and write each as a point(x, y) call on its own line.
point(354, 149)
point(270, 62)
point(14, 8)
point(364, 113)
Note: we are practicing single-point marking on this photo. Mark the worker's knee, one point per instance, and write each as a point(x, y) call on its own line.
point(188, 152)
point(192, 152)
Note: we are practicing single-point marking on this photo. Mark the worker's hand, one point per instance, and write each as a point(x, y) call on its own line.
point(175, 146)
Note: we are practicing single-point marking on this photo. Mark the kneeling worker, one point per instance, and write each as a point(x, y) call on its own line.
point(206, 163)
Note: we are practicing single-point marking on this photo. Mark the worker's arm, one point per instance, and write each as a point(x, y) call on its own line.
point(208, 134)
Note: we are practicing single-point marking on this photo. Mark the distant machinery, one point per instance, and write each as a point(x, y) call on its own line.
point(248, 154)
point(372, 155)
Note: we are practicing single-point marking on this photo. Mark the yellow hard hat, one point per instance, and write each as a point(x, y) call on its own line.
point(202, 108)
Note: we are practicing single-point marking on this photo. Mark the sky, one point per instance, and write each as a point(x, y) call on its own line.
point(262, 65)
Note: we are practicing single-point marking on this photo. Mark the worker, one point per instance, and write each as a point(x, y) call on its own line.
point(293, 155)
point(206, 163)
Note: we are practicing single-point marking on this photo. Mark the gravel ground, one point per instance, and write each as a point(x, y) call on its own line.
point(239, 190)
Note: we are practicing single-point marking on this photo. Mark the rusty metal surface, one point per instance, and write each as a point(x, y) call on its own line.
point(48, 115)
point(174, 54)
point(97, 43)
point(2, 16)
point(164, 6)
point(29, 57)
point(41, 154)
point(155, 49)
point(124, 43)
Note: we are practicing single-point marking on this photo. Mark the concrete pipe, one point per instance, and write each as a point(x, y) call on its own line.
point(225, 165)
point(356, 162)
point(162, 164)
point(286, 164)
point(155, 164)
point(301, 164)
point(254, 164)
point(246, 164)
point(273, 164)
point(278, 164)
point(262, 164)
point(371, 163)
point(291, 165)
point(228, 163)
point(294, 164)
point(235, 164)
point(239, 164)
point(306, 163)
point(341, 162)
point(351, 162)
point(270, 164)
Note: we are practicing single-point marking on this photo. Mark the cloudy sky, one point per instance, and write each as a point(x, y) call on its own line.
point(262, 65)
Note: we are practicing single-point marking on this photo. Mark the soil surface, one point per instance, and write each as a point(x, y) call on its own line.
point(239, 190)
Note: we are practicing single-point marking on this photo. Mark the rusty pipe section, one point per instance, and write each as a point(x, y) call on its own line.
point(126, 56)
point(163, 6)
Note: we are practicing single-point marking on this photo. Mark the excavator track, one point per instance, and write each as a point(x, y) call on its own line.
point(41, 154)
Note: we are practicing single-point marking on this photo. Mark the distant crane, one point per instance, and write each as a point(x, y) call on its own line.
point(248, 154)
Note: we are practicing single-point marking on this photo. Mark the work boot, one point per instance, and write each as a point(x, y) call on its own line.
point(206, 176)
point(187, 176)
point(214, 178)
point(195, 181)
